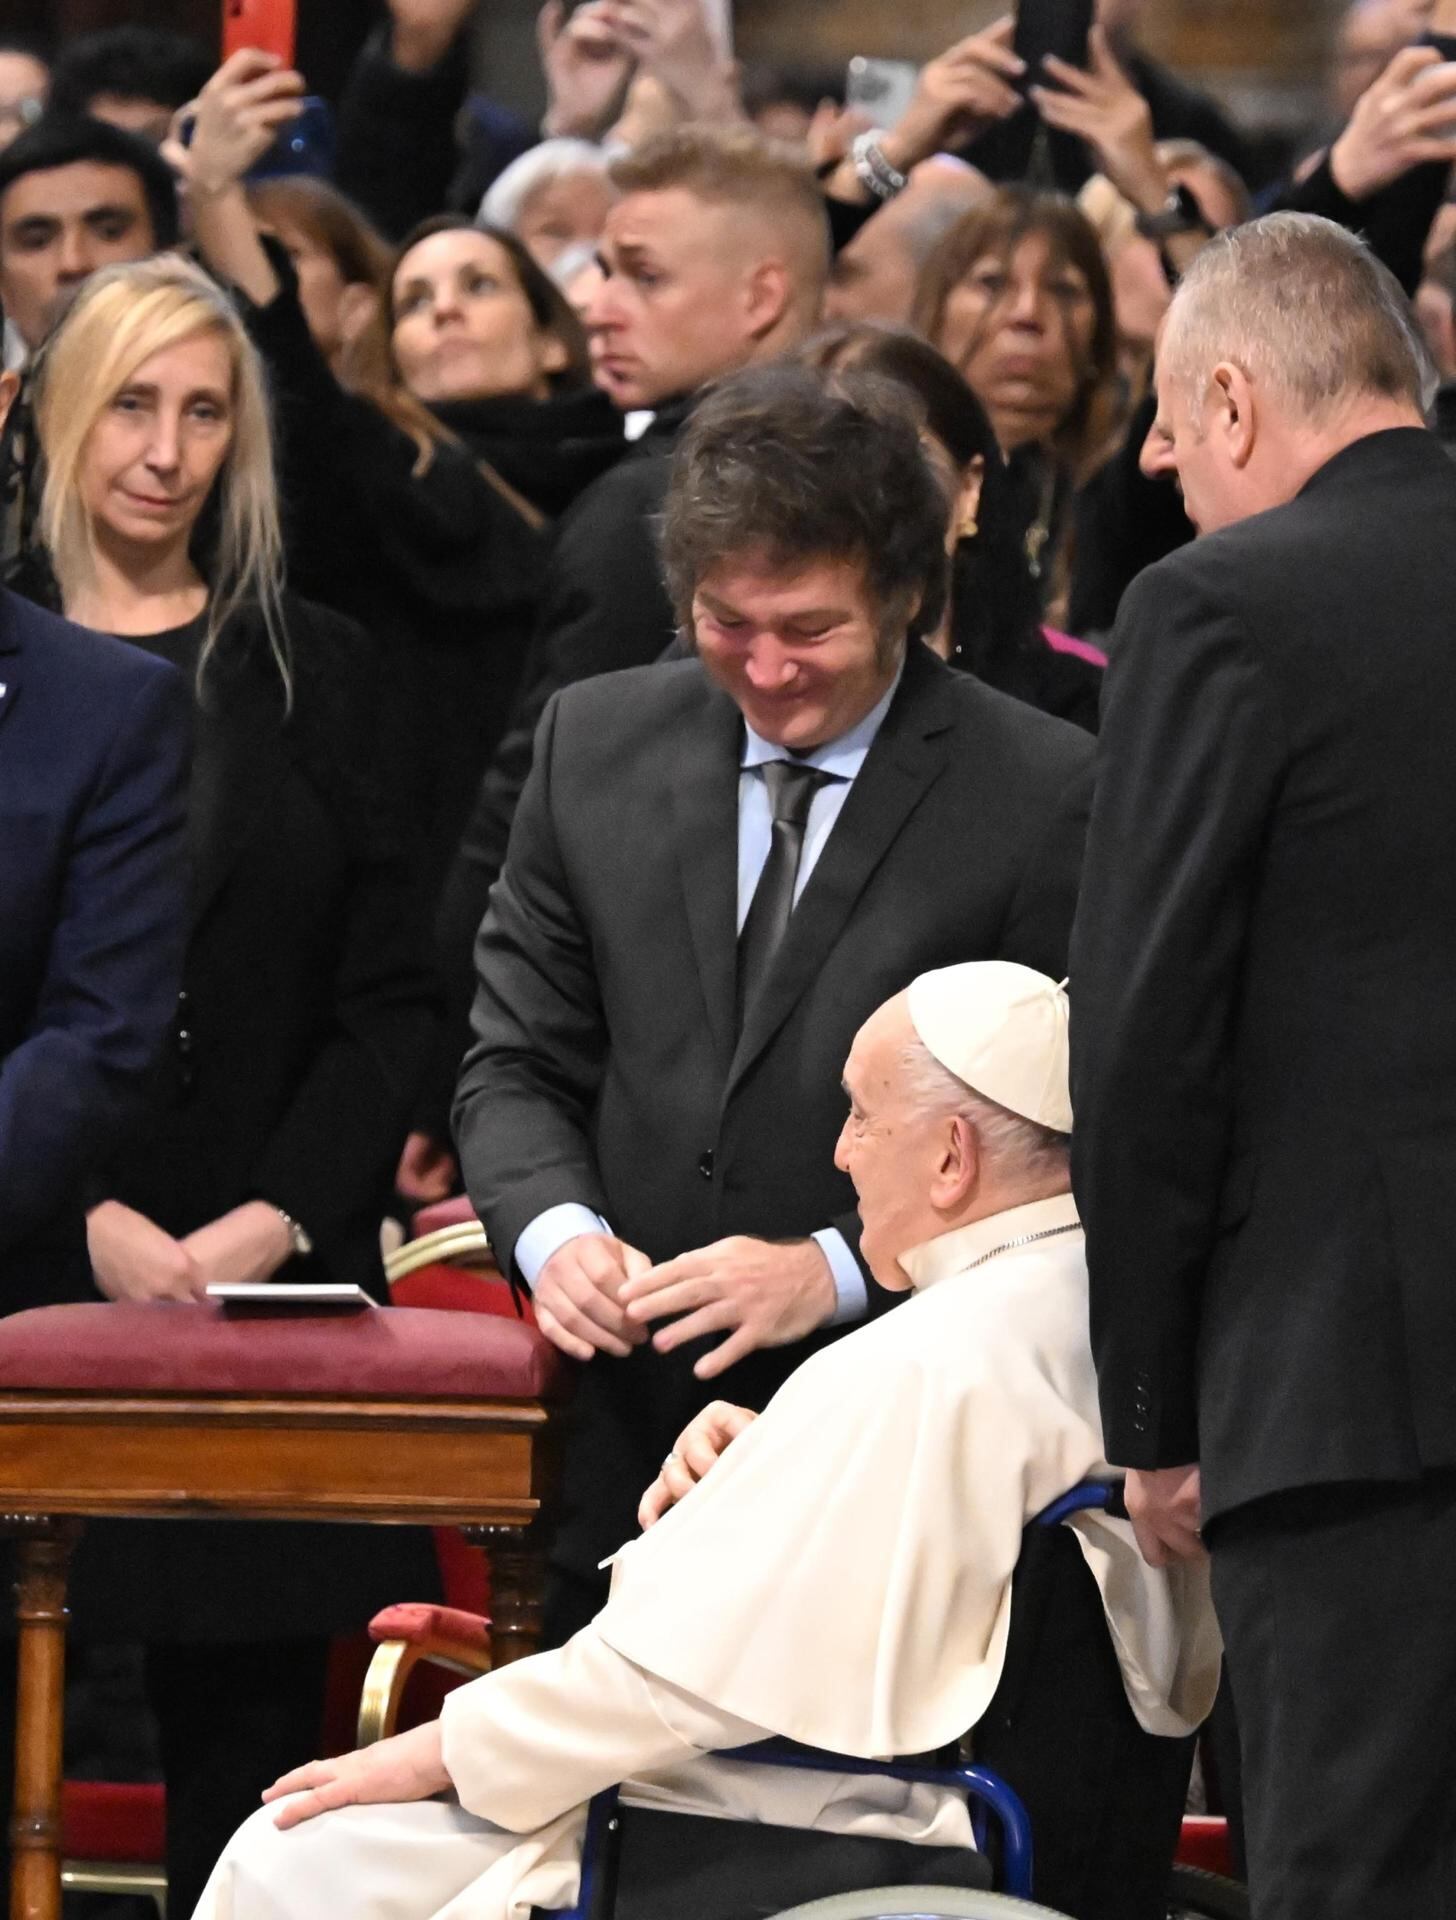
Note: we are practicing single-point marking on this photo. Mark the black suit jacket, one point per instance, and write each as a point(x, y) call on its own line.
point(605, 607)
point(93, 753)
point(605, 1068)
point(1264, 1029)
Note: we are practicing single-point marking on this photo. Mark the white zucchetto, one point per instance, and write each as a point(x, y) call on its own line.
point(1001, 1028)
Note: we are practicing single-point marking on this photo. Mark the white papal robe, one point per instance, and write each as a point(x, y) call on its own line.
point(842, 1576)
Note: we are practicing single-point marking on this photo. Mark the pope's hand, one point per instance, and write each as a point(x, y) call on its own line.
point(577, 1296)
point(1164, 1507)
point(763, 1293)
point(696, 1449)
point(408, 1767)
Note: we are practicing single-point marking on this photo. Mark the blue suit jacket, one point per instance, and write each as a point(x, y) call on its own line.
point(94, 745)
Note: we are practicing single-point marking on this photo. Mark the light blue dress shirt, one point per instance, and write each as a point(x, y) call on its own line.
point(841, 758)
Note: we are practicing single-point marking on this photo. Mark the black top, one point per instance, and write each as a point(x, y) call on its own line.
point(438, 564)
point(305, 1009)
point(548, 450)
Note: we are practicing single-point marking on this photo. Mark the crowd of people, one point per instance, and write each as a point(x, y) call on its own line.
point(677, 617)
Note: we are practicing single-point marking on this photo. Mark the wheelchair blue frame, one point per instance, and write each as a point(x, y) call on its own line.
point(986, 1791)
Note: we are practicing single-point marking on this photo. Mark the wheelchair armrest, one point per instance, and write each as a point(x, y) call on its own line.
point(408, 1634)
point(1092, 1496)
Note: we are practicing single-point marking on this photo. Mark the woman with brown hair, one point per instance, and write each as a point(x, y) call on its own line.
point(1017, 298)
point(427, 528)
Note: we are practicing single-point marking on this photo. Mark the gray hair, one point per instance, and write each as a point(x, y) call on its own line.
point(1304, 308)
point(1021, 1151)
point(543, 166)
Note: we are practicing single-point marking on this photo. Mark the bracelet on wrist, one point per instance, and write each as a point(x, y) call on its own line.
point(877, 175)
point(300, 1241)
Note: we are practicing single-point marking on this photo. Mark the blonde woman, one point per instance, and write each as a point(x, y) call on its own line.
point(278, 1115)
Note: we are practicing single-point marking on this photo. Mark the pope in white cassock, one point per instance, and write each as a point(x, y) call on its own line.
point(842, 1575)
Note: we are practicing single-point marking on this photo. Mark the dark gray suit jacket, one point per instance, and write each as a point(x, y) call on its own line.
point(605, 1067)
point(1264, 1021)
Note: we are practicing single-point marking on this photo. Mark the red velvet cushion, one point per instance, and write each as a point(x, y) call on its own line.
point(457, 1290)
point(442, 1213)
point(155, 1347)
point(416, 1620)
point(106, 1820)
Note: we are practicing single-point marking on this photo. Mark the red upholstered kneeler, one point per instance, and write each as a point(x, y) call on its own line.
point(409, 1416)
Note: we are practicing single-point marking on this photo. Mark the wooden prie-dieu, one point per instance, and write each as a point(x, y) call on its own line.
point(400, 1417)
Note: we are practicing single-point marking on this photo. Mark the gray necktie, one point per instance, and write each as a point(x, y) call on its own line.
point(791, 790)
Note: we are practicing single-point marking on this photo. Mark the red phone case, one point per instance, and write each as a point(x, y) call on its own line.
point(269, 25)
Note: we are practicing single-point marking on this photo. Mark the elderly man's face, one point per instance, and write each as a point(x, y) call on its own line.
point(569, 211)
point(890, 1149)
point(1178, 448)
point(797, 648)
point(57, 226)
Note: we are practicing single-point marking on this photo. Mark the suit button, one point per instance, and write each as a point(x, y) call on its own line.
point(184, 1041)
point(1140, 1425)
point(705, 1164)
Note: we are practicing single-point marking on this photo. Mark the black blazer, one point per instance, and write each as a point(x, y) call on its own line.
point(1264, 1028)
point(93, 752)
point(605, 1069)
point(306, 1005)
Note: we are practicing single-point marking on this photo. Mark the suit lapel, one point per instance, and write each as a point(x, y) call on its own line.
point(903, 763)
point(10, 659)
point(703, 771)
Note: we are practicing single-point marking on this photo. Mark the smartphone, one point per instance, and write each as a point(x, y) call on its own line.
point(881, 89)
point(305, 145)
point(1057, 27)
point(269, 25)
point(1032, 150)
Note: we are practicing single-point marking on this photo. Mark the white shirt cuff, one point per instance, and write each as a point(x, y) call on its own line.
point(849, 1282)
point(551, 1230)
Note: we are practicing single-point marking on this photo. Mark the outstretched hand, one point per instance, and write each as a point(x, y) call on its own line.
point(762, 1293)
point(1405, 119)
point(1103, 107)
point(235, 119)
point(586, 67)
point(672, 40)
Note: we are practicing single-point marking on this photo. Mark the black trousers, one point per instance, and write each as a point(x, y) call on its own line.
point(1338, 1607)
point(230, 1720)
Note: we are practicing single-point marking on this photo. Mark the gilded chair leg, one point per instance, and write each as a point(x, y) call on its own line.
point(517, 1590)
point(43, 1556)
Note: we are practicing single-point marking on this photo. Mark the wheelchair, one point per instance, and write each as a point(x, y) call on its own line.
point(1058, 1735)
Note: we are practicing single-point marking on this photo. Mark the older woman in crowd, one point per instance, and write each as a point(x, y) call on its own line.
point(1017, 297)
point(277, 1116)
